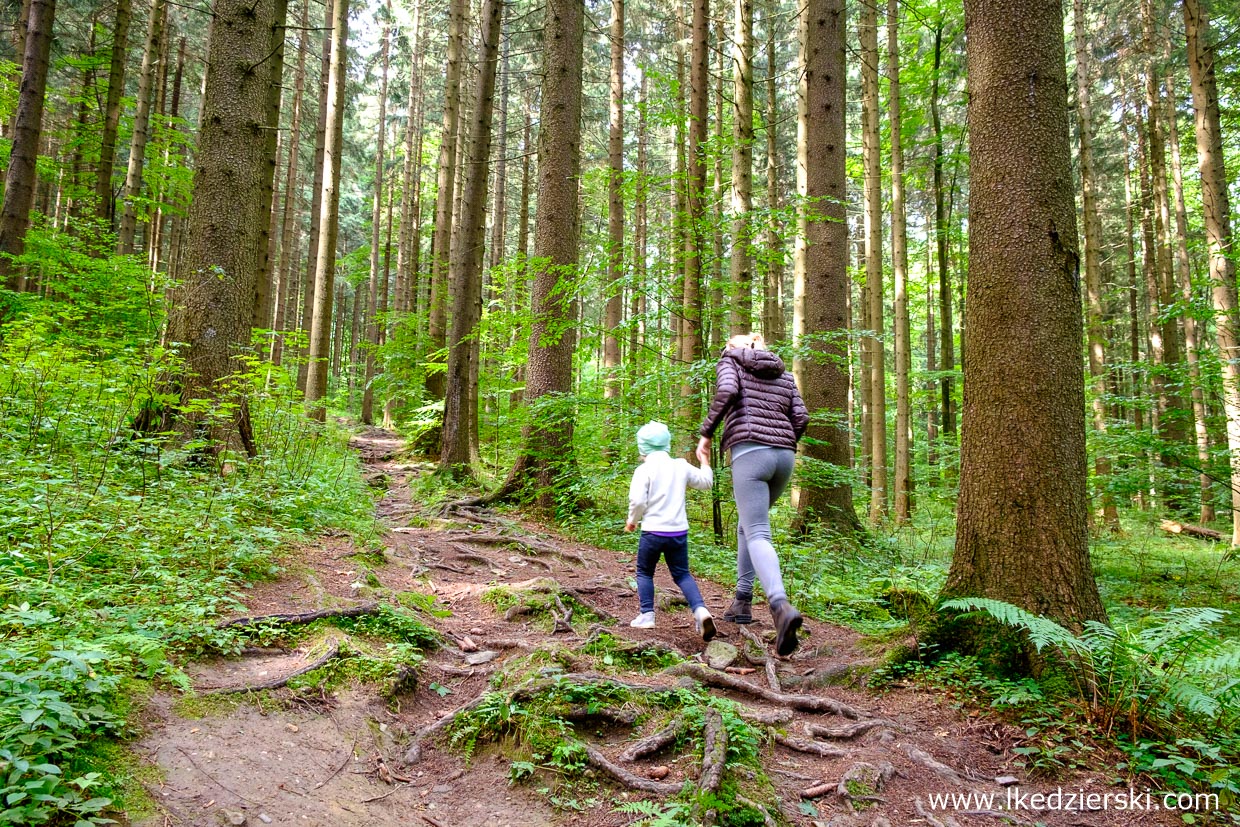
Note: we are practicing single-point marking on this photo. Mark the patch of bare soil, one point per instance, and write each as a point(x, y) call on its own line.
point(837, 755)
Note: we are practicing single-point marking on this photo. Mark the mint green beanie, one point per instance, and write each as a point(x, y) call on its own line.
point(653, 436)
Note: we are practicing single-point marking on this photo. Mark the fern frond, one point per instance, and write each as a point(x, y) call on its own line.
point(1042, 631)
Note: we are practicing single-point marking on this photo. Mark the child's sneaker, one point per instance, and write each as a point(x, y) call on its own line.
point(645, 620)
point(704, 622)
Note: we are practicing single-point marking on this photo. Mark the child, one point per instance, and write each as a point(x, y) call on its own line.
point(657, 500)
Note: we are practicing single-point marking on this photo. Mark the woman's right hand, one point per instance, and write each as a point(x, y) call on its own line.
point(703, 451)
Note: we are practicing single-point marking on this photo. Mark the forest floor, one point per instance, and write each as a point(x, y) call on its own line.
point(360, 755)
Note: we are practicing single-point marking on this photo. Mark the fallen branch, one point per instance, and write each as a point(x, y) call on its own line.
point(768, 663)
point(333, 651)
point(818, 790)
point(807, 703)
point(600, 761)
point(1198, 531)
point(651, 743)
point(303, 617)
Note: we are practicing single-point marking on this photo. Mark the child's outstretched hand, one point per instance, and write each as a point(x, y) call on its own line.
point(629, 527)
point(703, 451)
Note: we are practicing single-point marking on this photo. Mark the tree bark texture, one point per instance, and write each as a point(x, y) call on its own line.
point(20, 176)
point(899, 267)
point(614, 312)
point(112, 110)
point(141, 128)
point(742, 167)
point(1022, 532)
point(871, 144)
point(820, 309)
point(376, 223)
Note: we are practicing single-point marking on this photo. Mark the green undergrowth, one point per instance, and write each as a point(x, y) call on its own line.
point(1157, 702)
point(123, 548)
point(539, 603)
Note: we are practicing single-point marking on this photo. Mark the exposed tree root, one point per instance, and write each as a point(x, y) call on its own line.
point(470, 557)
point(651, 743)
point(765, 717)
point(767, 819)
point(622, 717)
point(714, 752)
point(863, 776)
point(299, 618)
point(923, 758)
point(946, 821)
point(852, 730)
point(563, 618)
point(414, 753)
point(333, 651)
point(812, 747)
point(768, 663)
point(628, 779)
point(807, 703)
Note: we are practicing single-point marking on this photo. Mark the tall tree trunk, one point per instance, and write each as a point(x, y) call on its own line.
point(614, 316)
point(329, 213)
point(545, 460)
point(112, 110)
point(1022, 531)
point(460, 424)
point(718, 315)
point(1092, 227)
point(141, 128)
point(695, 187)
point(446, 195)
point(1201, 61)
point(316, 193)
point(213, 313)
point(376, 222)
point(899, 267)
point(871, 151)
point(1184, 279)
point(947, 345)
point(742, 166)
point(499, 210)
point(820, 304)
point(637, 306)
point(288, 224)
point(407, 243)
point(932, 408)
point(773, 304)
point(523, 219)
point(20, 176)
point(271, 156)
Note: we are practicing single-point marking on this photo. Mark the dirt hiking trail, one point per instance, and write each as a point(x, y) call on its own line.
point(830, 752)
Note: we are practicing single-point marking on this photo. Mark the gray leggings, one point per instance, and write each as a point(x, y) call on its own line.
point(759, 477)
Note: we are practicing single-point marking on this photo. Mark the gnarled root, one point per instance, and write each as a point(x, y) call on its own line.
point(628, 779)
point(651, 743)
point(807, 703)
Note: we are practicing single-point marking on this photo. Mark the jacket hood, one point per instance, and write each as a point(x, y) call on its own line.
point(761, 363)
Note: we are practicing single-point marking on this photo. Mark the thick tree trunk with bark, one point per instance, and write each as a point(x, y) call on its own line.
point(141, 128)
point(1022, 532)
point(1093, 267)
point(545, 461)
point(1201, 67)
point(211, 318)
point(820, 309)
point(20, 178)
point(328, 217)
point(691, 341)
point(614, 313)
point(742, 167)
point(441, 245)
point(112, 110)
point(460, 422)
point(899, 267)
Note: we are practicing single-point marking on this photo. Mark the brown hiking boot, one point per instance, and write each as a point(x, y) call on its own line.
point(787, 620)
point(741, 610)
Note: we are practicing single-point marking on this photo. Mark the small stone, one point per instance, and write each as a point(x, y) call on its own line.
point(479, 658)
point(468, 645)
point(232, 818)
point(264, 818)
point(476, 631)
point(658, 773)
point(720, 655)
point(1007, 780)
point(291, 727)
point(441, 788)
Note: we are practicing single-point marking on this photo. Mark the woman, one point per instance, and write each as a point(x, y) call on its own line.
point(765, 419)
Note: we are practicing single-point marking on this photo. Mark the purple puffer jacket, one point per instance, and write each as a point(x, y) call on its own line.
point(758, 397)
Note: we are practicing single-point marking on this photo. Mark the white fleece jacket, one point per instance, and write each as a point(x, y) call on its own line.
point(657, 492)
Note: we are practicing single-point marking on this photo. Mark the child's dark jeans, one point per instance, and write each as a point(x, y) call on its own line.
point(675, 550)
